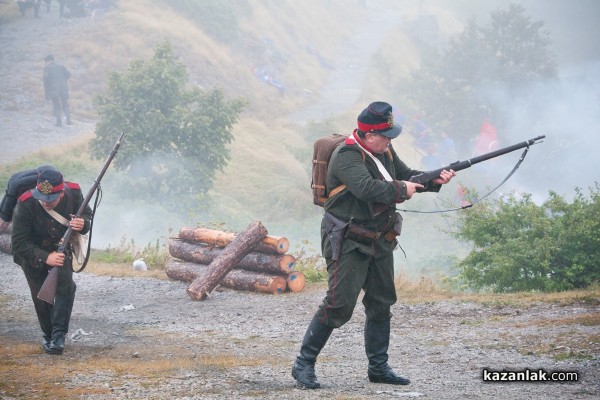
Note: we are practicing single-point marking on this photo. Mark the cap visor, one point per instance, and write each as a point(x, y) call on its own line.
point(47, 198)
point(392, 133)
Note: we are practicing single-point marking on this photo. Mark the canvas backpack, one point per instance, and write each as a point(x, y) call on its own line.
point(323, 148)
point(18, 183)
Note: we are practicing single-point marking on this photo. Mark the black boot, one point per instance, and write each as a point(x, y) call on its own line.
point(314, 340)
point(61, 313)
point(57, 344)
point(377, 340)
point(46, 343)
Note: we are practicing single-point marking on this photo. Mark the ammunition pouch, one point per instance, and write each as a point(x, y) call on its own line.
point(336, 230)
point(361, 234)
point(396, 230)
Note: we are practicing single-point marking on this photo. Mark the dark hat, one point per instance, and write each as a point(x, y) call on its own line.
point(49, 58)
point(378, 118)
point(50, 184)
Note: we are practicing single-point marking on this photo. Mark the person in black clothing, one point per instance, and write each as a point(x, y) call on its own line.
point(56, 89)
point(41, 218)
point(25, 4)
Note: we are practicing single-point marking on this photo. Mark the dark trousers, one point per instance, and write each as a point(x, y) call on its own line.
point(54, 319)
point(24, 5)
point(60, 104)
point(353, 272)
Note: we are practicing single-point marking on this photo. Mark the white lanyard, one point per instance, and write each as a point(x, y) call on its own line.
point(380, 167)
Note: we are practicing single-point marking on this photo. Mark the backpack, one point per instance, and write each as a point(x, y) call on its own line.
point(323, 148)
point(18, 183)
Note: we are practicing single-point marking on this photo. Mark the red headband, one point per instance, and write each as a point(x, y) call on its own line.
point(376, 127)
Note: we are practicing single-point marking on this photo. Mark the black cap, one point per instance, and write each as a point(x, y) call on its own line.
point(378, 118)
point(50, 184)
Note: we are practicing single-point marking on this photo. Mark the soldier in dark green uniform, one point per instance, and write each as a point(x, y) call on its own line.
point(35, 237)
point(365, 180)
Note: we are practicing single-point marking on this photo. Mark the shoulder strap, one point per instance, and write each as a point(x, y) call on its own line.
point(58, 217)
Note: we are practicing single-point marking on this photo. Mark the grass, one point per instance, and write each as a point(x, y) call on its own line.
point(26, 372)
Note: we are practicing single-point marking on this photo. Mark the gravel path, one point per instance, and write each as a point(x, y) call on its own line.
point(242, 344)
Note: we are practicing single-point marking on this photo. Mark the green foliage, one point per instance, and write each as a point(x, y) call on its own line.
point(72, 170)
point(175, 138)
point(520, 246)
point(453, 90)
point(154, 254)
point(310, 263)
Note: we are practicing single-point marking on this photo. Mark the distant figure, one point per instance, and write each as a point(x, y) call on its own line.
point(24, 5)
point(56, 89)
point(487, 140)
point(431, 160)
point(76, 9)
point(447, 149)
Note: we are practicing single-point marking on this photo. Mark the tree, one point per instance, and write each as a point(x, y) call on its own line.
point(455, 90)
point(176, 139)
point(520, 246)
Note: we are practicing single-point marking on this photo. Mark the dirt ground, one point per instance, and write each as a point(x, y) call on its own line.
point(134, 338)
point(144, 338)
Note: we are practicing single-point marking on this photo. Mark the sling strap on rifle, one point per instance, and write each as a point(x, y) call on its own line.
point(81, 242)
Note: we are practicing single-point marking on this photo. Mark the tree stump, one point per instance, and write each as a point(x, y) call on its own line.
point(269, 244)
point(241, 245)
point(238, 279)
point(253, 261)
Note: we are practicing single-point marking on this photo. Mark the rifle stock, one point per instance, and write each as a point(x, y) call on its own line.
point(48, 290)
point(428, 176)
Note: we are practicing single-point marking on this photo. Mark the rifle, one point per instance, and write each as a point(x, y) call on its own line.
point(427, 176)
point(48, 289)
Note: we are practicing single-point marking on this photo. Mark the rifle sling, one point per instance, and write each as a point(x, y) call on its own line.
point(482, 197)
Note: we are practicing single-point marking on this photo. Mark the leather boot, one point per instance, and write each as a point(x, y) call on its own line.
point(377, 340)
point(61, 314)
point(303, 370)
point(46, 342)
point(57, 344)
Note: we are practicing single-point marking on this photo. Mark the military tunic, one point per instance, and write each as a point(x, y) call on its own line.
point(370, 201)
point(35, 234)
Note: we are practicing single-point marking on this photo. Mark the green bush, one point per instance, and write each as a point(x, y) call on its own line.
point(520, 246)
point(176, 138)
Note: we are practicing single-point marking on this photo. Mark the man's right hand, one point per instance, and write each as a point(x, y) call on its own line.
point(55, 259)
point(411, 188)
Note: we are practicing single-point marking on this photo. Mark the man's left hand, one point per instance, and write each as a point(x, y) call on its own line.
point(445, 177)
point(76, 223)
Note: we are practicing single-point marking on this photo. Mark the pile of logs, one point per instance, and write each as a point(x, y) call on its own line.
point(251, 260)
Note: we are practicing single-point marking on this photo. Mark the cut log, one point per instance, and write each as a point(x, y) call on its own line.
point(269, 244)
point(5, 243)
point(238, 279)
point(241, 245)
point(296, 281)
point(253, 261)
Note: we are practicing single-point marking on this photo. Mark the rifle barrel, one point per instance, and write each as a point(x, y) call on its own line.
point(460, 165)
point(48, 289)
point(505, 150)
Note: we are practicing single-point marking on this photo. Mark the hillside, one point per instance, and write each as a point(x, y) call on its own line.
point(327, 56)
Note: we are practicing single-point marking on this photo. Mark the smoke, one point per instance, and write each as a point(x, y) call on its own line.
point(566, 111)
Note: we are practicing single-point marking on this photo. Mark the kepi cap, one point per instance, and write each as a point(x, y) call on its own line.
point(50, 184)
point(378, 118)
